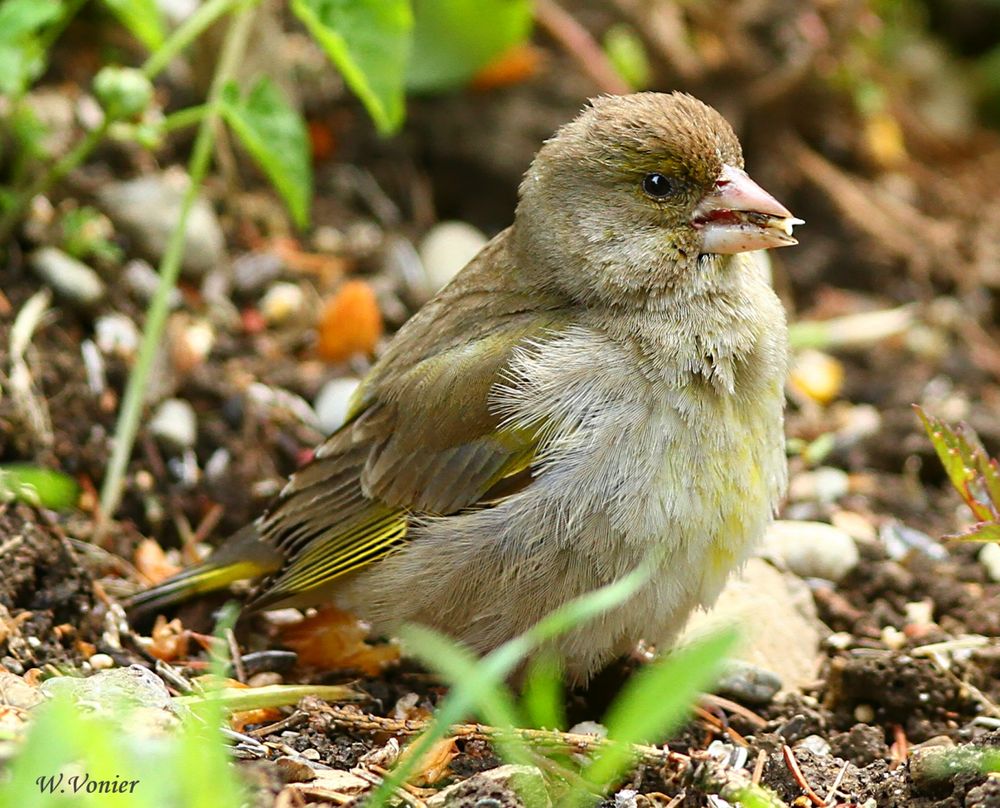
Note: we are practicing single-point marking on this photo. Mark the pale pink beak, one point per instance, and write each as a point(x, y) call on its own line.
point(738, 215)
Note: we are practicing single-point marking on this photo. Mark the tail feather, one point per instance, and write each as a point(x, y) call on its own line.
point(243, 556)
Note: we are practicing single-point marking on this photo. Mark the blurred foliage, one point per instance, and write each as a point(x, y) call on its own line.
point(453, 39)
point(973, 473)
point(37, 486)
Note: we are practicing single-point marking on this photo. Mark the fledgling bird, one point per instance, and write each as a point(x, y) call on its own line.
point(603, 378)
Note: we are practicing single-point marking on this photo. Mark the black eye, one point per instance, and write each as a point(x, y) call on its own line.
point(658, 186)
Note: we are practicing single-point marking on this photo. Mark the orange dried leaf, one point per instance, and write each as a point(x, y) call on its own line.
point(151, 562)
point(169, 640)
point(335, 640)
point(513, 66)
point(263, 715)
point(351, 323)
point(434, 763)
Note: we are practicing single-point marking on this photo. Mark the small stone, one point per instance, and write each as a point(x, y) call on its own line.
point(816, 376)
point(111, 690)
point(858, 527)
point(748, 684)
point(812, 549)
point(899, 540)
point(815, 744)
point(191, 341)
point(281, 303)
point(351, 322)
point(864, 713)
point(101, 662)
point(143, 281)
point(775, 611)
point(71, 279)
point(989, 557)
point(252, 272)
point(825, 484)
point(333, 403)
point(116, 335)
point(148, 209)
point(446, 249)
point(174, 424)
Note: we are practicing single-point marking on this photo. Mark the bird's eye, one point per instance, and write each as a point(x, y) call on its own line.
point(658, 186)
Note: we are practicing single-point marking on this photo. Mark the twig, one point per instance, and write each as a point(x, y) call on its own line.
point(793, 767)
point(236, 657)
point(721, 703)
point(580, 45)
point(832, 793)
point(758, 766)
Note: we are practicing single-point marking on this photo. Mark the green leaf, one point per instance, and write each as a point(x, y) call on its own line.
point(22, 58)
point(275, 135)
point(453, 39)
point(627, 55)
point(45, 488)
point(142, 18)
point(655, 701)
point(369, 43)
point(972, 472)
point(543, 695)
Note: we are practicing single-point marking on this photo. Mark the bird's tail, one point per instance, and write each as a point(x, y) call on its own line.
point(243, 556)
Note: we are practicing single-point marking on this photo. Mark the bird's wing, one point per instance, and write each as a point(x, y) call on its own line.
point(421, 439)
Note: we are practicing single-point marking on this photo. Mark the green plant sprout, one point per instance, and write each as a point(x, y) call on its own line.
point(972, 472)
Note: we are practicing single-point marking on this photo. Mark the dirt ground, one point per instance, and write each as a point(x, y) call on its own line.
point(917, 226)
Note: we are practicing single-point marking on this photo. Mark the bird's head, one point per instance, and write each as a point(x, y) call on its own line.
point(643, 195)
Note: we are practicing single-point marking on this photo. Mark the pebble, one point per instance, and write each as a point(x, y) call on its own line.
point(282, 303)
point(111, 690)
point(776, 616)
point(825, 484)
point(812, 549)
point(816, 376)
point(989, 557)
point(69, 278)
point(101, 662)
point(899, 539)
point(143, 281)
point(816, 744)
point(147, 209)
point(858, 527)
point(116, 335)
point(748, 684)
point(333, 403)
point(174, 424)
point(252, 272)
point(447, 247)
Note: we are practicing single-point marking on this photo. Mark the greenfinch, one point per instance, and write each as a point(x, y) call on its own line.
point(605, 378)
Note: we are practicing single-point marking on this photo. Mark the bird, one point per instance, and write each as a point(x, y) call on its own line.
point(604, 379)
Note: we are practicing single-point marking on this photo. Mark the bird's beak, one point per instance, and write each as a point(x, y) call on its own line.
point(738, 215)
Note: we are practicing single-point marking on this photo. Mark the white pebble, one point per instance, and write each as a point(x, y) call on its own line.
point(174, 424)
point(825, 484)
point(101, 662)
point(71, 279)
point(333, 403)
point(812, 549)
point(281, 303)
point(116, 335)
point(446, 248)
point(989, 557)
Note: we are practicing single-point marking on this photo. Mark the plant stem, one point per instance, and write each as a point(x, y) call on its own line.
point(131, 408)
point(187, 33)
point(188, 116)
